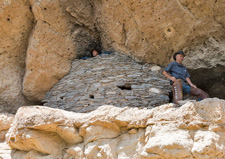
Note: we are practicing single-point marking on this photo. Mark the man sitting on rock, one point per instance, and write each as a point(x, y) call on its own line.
point(180, 79)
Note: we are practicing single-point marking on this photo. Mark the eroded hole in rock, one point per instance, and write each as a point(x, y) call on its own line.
point(125, 87)
point(210, 80)
point(91, 96)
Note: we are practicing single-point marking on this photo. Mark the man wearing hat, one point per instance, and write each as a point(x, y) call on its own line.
point(180, 79)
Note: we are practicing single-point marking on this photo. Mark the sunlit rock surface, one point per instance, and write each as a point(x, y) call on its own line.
point(39, 39)
point(194, 130)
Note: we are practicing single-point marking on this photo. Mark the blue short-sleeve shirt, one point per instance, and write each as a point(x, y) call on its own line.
point(177, 70)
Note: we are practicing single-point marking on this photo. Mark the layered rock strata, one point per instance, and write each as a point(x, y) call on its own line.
point(194, 130)
point(47, 35)
point(113, 79)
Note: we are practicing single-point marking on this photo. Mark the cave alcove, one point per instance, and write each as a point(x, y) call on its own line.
point(211, 80)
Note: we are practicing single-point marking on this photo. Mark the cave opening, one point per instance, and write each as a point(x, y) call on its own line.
point(210, 80)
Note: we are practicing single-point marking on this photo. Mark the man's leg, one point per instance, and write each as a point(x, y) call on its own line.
point(199, 93)
point(177, 91)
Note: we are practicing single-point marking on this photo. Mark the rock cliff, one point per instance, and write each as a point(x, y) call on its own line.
point(194, 130)
point(39, 39)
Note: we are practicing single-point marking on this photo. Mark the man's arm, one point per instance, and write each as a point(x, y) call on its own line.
point(172, 78)
point(190, 83)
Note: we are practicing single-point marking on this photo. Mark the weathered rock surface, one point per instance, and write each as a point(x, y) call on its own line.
point(55, 41)
point(48, 34)
point(152, 30)
point(113, 79)
point(206, 64)
point(15, 27)
point(194, 130)
point(5, 151)
point(5, 122)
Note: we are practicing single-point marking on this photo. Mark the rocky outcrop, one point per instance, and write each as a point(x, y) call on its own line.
point(152, 31)
point(55, 41)
point(194, 130)
point(206, 64)
point(15, 27)
point(112, 79)
point(5, 123)
point(47, 35)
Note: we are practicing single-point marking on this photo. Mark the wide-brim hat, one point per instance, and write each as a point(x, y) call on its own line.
point(178, 52)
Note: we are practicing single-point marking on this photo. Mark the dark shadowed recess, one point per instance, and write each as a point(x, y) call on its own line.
point(211, 80)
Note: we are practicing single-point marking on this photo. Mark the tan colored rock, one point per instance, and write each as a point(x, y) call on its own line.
point(75, 152)
point(93, 133)
point(109, 132)
point(207, 143)
point(152, 31)
point(34, 155)
point(69, 134)
point(45, 143)
point(41, 38)
point(162, 141)
point(50, 49)
point(5, 151)
point(15, 26)
point(55, 41)
point(5, 122)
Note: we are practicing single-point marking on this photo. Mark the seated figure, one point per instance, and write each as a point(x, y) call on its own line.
point(180, 79)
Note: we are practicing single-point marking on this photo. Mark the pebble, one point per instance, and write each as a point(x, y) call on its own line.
point(155, 68)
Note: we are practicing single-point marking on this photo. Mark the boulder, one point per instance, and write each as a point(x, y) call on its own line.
point(15, 27)
point(41, 38)
point(194, 130)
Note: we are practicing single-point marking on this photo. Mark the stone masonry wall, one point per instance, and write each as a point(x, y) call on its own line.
point(109, 79)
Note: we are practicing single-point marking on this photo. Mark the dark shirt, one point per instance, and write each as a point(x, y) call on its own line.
point(107, 53)
point(177, 70)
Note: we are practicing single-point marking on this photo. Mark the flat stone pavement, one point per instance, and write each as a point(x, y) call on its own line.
point(113, 79)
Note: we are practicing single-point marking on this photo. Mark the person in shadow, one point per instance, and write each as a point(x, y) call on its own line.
point(96, 52)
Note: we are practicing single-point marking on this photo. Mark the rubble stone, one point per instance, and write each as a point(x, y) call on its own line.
point(113, 79)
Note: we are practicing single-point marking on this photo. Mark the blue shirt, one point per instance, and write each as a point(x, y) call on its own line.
point(177, 70)
point(107, 53)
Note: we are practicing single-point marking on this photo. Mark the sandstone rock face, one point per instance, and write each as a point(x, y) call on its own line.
point(152, 30)
point(47, 35)
point(15, 26)
point(5, 122)
point(54, 42)
point(206, 65)
point(194, 130)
